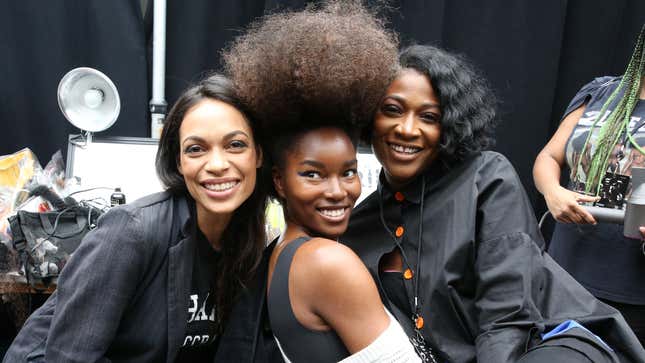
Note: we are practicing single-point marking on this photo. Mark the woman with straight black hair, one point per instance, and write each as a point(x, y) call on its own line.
point(160, 279)
point(451, 238)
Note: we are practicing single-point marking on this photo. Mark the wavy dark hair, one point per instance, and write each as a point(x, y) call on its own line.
point(324, 66)
point(244, 239)
point(468, 105)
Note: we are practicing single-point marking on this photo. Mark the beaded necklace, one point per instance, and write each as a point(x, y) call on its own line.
point(420, 345)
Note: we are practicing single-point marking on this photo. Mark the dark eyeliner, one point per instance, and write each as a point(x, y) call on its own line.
point(307, 173)
point(189, 148)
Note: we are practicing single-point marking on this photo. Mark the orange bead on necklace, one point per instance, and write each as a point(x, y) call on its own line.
point(418, 341)
point(419, 322)
point(407, 274)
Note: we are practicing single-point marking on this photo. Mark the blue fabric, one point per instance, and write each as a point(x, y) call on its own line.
point(568, 325)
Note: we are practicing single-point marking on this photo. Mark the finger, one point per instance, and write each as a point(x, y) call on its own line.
point(642, 231)
point(563, 218)
point(587, 217)
point(582, 216)
point(586, 198)
point(558, 217)
point(568, 214)
point(574, 212)
point(577, 219)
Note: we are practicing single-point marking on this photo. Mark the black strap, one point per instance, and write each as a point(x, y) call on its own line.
point(18, 238)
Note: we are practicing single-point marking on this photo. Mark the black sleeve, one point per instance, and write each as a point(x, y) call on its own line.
point(520, 290)
point(509, 256)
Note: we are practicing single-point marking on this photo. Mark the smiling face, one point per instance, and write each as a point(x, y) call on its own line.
point(218, 158)
point(319, 182)
point(407, 128)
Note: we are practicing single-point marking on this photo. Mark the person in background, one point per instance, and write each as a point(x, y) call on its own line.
point(636, 158)
point(159, 279)
point(311, 77)
point(611, 111)
point(451, 237)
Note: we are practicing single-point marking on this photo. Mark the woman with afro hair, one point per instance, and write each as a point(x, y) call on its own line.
point(451, 238)
point(312, 78)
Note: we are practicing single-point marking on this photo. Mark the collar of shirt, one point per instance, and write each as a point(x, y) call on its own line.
point(184, 215)
point(411, 192)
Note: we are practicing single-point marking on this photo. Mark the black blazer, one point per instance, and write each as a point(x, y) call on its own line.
point(123, 295)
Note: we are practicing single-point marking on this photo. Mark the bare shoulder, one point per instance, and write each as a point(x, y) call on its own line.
point(326, 269)
point(335, 286)
point(326, 256)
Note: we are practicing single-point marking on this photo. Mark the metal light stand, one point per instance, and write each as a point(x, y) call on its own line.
point(158, 105)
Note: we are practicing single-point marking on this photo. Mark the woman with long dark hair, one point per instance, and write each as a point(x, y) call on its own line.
point(158, 279)
point(451, 238)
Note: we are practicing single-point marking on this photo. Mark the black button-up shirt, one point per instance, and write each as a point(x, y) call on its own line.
point(486, 287)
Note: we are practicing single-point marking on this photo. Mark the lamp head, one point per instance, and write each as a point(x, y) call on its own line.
point(88, 99)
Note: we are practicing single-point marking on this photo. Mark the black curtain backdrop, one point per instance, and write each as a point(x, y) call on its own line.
point(40, 41)
point(536, 55)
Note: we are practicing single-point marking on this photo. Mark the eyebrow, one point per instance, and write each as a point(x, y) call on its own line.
point(402, 100)
point(320, 165)
point(192, 138)
point(313, 163)
point(350, 162)
point(235, 133)
point(227, 136)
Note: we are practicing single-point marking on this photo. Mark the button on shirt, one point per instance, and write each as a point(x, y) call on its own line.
point(485, 285)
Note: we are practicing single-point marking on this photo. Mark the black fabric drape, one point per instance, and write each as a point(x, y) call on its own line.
point(41, 41)
point(517, 50)
point(196, 33)
point(535, 55)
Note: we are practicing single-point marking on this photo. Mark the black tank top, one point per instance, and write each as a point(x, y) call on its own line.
point(298, 343)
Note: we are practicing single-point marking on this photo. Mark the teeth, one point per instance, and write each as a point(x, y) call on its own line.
point(220, 187)
point(405, 149)
point(332, 212)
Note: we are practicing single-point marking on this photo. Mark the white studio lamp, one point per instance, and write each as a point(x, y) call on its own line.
point(89, 100)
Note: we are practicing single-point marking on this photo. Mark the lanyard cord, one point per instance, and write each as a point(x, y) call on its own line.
point(397, 241)
point(419, 240)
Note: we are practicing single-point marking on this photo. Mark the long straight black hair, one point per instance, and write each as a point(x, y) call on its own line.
point(244, 239)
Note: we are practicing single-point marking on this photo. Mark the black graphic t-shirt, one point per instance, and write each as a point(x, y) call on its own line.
point(200, 341)
point(608, 264)
point(624, 156)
